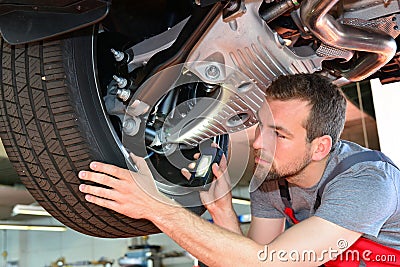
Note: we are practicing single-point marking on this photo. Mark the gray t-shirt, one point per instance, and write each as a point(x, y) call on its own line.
point(365, 198)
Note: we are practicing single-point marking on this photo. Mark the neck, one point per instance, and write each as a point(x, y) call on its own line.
point(311, 175)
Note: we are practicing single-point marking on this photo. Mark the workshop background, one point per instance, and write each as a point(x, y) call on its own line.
point(370, 122)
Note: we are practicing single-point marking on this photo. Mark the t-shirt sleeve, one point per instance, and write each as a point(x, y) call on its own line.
point(262, 206)
point(360, 199)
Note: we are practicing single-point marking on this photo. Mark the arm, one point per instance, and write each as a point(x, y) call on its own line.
point(212, 244)
point(302, 245)
point(264, 230)
point(218, 201)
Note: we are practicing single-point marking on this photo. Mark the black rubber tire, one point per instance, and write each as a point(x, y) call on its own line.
point(52, 125)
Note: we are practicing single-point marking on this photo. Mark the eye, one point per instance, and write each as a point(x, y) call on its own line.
point(280, 135)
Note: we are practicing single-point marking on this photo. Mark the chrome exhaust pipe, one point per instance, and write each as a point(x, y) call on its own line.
point(381, 47)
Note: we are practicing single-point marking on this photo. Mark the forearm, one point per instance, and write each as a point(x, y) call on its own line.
point(227, 219)
point(216, 246)
point(210, 243)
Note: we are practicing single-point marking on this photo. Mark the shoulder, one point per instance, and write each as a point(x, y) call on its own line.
point(362, 175)
point(358, 181)
point(353, 160)
point(344, 148)
point(373, 185)
point(365, 177)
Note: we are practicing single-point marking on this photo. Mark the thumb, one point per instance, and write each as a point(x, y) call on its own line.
point(140, 163)
point(217, 170)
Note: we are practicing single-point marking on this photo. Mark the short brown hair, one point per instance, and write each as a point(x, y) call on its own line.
point(328, 104)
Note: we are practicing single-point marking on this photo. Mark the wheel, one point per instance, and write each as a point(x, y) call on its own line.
point(53, 124)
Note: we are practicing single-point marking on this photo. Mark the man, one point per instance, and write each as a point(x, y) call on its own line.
point(308, 117)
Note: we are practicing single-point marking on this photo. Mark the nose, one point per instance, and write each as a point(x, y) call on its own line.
point(258, 144)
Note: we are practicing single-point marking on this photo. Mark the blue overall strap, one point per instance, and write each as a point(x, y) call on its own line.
point(370, 155)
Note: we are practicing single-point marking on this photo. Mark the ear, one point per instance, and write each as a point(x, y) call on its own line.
point(321, 147)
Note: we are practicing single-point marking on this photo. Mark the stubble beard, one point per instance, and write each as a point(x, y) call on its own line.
point(271, 173)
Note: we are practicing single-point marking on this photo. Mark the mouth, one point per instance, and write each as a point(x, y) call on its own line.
point(261, 161)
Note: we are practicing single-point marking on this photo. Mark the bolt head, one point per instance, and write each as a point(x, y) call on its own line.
point(212, 72)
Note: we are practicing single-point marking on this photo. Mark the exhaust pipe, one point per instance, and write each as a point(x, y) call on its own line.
point(380, 47)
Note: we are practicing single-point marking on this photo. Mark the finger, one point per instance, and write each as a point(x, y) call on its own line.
point(196, 156)
point(223, 162)
point(99, 178)
point(140, 163)
point(192, 165)
point(186, 173)
point(219, 173)
point(213, 144)
point(106, 203)
point(109, 169)
point(97, 191)
point(217, 170)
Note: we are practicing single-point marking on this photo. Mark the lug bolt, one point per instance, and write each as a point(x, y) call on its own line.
point(121, 82)
point(119, 56)
point(128, 125)
point(131, 126)
point(123, 94)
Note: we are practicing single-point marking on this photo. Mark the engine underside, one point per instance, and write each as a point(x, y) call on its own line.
point(243, 49)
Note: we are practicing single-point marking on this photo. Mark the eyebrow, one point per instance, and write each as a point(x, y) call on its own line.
point(277, 128)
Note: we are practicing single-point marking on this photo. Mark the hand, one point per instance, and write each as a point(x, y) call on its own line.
point(218, 198)
point(129, 193)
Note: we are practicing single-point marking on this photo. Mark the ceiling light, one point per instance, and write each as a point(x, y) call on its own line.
point(29, 210)
point(32, 227)
point(241, 201)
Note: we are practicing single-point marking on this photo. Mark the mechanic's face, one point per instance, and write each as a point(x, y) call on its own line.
point(285, 130)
